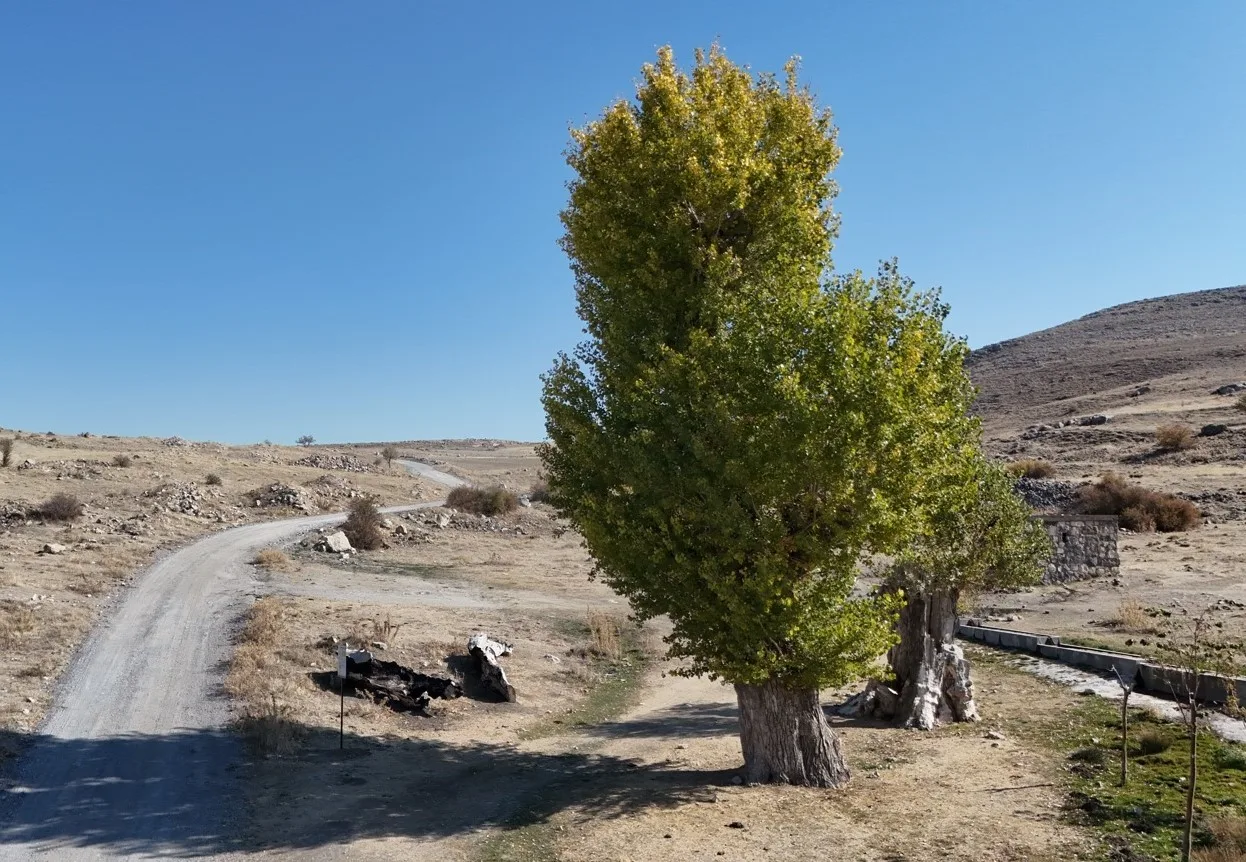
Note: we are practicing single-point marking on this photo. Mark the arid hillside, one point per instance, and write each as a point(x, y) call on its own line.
point(1182, 345)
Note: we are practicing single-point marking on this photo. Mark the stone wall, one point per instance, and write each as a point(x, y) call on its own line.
point(1085, 547)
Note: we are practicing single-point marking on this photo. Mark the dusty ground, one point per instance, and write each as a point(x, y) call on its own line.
point(134, 513)
point(480, 780)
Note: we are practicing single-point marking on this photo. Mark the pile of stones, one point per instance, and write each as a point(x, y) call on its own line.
point(178, 497)
point(1035, 431)
point(1048, 495)
point(281, 495)
point(348, 463)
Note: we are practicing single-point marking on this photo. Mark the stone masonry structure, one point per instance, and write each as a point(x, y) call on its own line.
point(1085, 547)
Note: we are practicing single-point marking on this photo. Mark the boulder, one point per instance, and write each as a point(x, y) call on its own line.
point(336, 543)
point(53, 548)
point(1212, 430)
point(1229, 389)
point(1097, 419)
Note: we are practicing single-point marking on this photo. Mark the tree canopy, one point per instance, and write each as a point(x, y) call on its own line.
point(740, 427)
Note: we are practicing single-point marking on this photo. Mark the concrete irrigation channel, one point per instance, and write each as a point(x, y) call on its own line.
point(1095, 670)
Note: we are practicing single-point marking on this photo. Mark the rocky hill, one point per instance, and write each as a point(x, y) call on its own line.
point(1181, 345)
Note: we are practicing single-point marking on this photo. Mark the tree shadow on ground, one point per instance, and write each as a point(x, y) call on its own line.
point(138, 794)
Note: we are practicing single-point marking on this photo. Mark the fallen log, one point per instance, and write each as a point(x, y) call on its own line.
point(486, 652)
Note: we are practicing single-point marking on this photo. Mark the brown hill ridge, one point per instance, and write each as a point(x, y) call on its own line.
point(1181, 345)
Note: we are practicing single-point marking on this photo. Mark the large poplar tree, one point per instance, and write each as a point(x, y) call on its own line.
point(740, 428)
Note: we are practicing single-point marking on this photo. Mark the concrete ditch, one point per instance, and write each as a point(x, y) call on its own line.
point(1148, 676)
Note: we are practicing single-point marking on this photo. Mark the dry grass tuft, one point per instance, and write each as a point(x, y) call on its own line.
point(1228, 836)
point(263, 622)
point(16, 622)
point(494, 500)
point(270, 728)
point(273, 559)
point(1174, 437)
point(1139, 509)
point(253, 680)
point(62, 507)
point(604, 634)
point(122, 460)
point(363, 525)
point(1132, 617)
point(1031, 468)
point(213, 479)
point(1152, 741)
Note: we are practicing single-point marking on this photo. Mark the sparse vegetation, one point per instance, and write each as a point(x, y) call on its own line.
point(1153, 741)
point(1132, 617)
point(390, 454)
point(264, 721)
point(273, 559)
point(1174, 437)
point(363, 525)
point(16, 621)
point(1139, 509)
point(6, 451)
point(305, 440)
point(494, 500)
point(1240, 404)
point(1031, 468)
point(604, 635)
point(62, 507)
point(122, 460)
point(213, 479)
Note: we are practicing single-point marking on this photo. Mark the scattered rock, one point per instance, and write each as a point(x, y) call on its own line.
point(1212, 430)
point(1097, 419)
point(280, 495)
point(336, 543)
point(1229, 389)
point(1048, 495)
point(347, 463)
point(1138, 390)
point(993, 734)
point(53, 548)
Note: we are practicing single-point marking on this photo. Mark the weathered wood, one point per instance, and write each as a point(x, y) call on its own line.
point(486, 652)
point(932, 674)
point(786, 738)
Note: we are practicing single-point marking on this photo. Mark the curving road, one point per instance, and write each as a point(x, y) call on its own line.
point(133, 760)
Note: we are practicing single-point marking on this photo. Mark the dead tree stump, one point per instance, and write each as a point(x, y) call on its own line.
point(486, 652)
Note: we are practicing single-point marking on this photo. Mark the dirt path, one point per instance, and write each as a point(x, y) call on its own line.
point(133, 759)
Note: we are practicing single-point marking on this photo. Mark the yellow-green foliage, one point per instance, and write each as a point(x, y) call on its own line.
point(739, 428)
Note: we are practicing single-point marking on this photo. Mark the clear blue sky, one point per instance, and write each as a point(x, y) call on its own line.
point(240, 221)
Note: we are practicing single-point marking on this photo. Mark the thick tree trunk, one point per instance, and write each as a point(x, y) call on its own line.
point(932, 675)
point(787, 739)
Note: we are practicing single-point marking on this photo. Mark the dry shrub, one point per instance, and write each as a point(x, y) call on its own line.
point(1151, 741)
point(270, 727)
point(1132, 617)
point(539, 493)
point(62, 507)
point(386, 631)
point(1139, 509)
point(213, 479)
point(1031, 468)
point(363, 525)
point(494, 500)
point(273, 559)
point(263, 622)
point(1174, 437)
point(1228, 840)
point(122, 460)
point(6, 451)
point(604, 634)
point(16, 621)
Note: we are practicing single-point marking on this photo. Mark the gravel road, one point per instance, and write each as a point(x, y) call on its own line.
point(134, 759)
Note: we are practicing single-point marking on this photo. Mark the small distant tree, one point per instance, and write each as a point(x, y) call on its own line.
point(740, 429)
point(305, 440)
point(1197, 646)
point(6, 451)
point(979, 536)
point(390, 454)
